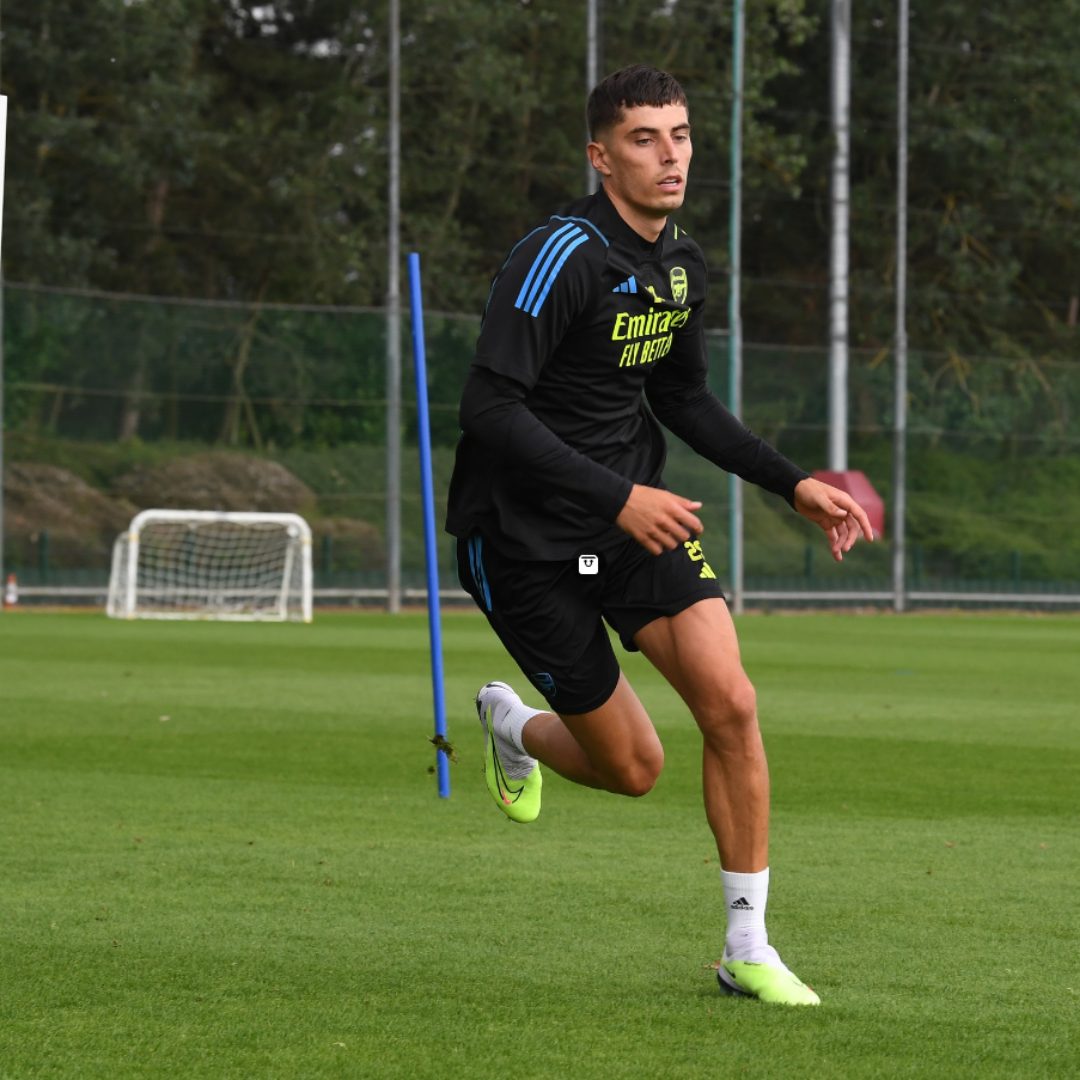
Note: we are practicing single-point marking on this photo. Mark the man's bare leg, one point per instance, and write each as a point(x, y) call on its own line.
point(697, 651)
point(614, 747)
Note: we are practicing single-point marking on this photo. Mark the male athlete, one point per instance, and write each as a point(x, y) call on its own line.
point(563, 521)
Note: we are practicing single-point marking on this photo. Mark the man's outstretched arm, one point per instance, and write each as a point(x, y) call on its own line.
point(683, 403)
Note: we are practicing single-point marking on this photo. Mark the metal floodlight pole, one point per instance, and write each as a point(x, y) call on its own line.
point(393, 327)
point(735, 358)
point(592, 74)
point(899, 492)
point(838, 271)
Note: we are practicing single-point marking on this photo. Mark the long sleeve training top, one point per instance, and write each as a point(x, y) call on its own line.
point(592, 338)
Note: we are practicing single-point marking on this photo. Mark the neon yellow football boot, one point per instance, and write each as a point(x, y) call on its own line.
point(513, 778)
point(772, 983)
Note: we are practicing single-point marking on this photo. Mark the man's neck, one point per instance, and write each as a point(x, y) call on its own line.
point(647, 227)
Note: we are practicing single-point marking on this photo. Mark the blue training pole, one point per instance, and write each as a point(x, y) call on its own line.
point(428, 498)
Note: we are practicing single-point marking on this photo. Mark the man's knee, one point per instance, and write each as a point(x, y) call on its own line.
point(729, 710)
point(636, 776)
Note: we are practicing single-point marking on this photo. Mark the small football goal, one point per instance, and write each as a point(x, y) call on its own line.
point(207, 564)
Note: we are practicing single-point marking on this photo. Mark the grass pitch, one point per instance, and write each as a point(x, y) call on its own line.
point(223, 856)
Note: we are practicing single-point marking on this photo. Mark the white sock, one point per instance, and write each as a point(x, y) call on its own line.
point(513, 723)
point(745, 899)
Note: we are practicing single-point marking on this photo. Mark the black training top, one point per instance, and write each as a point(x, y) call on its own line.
point(584, 315)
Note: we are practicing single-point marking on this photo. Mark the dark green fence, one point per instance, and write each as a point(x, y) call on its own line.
point(115, 403)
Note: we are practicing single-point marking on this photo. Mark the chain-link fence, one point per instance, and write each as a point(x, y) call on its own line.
point(113, 404)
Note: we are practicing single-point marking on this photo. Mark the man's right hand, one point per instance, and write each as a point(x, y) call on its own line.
point(659, 520)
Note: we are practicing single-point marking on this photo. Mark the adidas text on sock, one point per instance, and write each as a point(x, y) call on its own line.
point(745, 899)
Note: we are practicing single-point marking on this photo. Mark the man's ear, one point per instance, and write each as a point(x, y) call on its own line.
point(598, 158)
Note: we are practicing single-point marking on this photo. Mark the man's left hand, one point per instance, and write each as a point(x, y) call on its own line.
point(838, 515)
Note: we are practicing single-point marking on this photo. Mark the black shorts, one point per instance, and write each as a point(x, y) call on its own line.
point(550, 615)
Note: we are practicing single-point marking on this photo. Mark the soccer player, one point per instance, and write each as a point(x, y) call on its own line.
point(592, 338)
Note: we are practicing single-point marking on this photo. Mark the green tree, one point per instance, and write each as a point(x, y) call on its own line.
point(993, 215)
point(233, 149)
point(104, 104)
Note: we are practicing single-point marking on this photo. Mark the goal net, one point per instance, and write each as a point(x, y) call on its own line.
point(206, 564)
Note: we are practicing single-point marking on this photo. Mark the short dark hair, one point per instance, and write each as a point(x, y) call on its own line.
point(625, 89)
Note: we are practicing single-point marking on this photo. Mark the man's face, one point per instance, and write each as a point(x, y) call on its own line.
point(644, 160)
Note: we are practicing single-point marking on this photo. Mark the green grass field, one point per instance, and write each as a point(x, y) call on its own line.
point(222, 855)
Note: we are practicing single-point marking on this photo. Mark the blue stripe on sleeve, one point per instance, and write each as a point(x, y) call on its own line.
point(535, 309)
point(539, 260)
point(542, 281)
point(584, 221)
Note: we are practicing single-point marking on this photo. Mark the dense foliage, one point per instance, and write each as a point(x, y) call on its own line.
point(236, 149)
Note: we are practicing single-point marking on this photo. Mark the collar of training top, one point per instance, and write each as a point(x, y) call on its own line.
point(600, 210)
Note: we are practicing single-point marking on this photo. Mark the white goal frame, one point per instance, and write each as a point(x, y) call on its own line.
point(140, 592)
